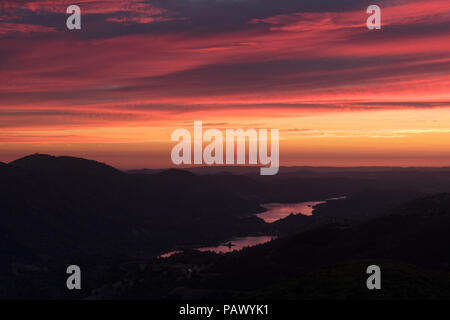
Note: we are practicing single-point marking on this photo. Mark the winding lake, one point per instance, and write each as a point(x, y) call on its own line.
point(275, 211)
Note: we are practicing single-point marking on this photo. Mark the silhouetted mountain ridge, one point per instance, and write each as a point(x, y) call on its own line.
point(432, 205)
point(47, 164)
point(66, 206)
point(175, 173)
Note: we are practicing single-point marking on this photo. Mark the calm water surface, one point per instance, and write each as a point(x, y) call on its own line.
point(275, 211)
point(235, 244)
point(238, 244)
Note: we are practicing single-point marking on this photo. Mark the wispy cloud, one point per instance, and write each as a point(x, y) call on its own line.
point(136, 63)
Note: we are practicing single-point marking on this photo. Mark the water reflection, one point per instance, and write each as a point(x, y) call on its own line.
point(277, 211)
point(238, 243)
point(235, 244)
point(169, 254)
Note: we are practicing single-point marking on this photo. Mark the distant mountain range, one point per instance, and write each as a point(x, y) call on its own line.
point(65, 204)
point(56, 211)
point(294, 169)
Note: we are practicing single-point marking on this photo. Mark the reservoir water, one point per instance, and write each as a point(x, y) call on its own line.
point(275, 211)
point(234, 244)
point(238, 243)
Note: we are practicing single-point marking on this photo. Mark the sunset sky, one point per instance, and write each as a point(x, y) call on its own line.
point(114, 91)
